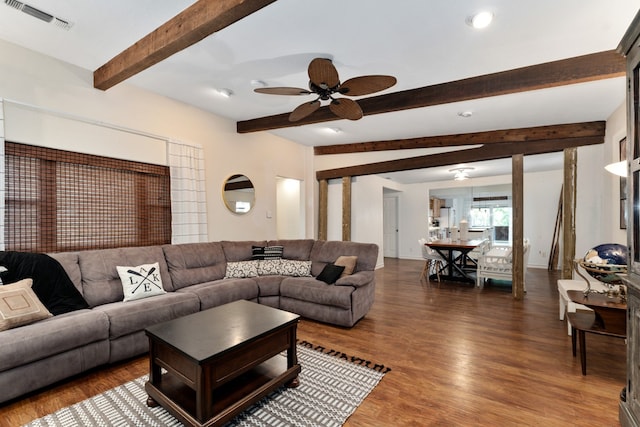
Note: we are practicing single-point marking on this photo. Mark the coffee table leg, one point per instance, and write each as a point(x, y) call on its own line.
point(292, 356)
point(151, 402)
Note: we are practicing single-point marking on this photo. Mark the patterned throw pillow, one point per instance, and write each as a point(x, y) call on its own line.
point(266, 252)
point(290, 267)
point(20, 306)
point(141, 282)
point(269, 267)
point(241, 269)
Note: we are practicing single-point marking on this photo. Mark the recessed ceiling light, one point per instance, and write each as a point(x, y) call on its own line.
point(480, 20)
point(331, 130)
point(224, 92)
point(465, 113)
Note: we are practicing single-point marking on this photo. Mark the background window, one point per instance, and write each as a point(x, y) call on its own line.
point(63, 201)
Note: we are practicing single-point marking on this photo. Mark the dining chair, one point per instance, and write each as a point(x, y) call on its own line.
point(433, 260)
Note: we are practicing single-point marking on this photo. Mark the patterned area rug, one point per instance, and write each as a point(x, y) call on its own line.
point(332, 385)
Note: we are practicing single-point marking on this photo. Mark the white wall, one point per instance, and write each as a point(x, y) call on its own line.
point(50, 85)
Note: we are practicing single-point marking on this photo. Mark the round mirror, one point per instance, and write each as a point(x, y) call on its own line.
point(238, 194)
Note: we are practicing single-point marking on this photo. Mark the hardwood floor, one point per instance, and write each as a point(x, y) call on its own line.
point(459, 355)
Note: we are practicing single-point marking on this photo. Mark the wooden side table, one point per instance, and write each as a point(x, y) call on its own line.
point(609, 317)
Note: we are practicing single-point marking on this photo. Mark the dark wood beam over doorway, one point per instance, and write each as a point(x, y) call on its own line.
point(523, 135)
point(485, 152)
point(193, 24)
point(596, 66)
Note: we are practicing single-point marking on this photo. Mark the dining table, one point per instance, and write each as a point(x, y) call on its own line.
point(456, 255)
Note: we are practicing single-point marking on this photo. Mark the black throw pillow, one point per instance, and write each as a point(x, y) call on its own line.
point(51, 283)
point(330, 273)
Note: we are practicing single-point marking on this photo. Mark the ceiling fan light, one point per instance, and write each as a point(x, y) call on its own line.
point(460, 174)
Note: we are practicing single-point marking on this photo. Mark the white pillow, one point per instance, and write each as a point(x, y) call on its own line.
point(141, 282)
point(269, 267)
point(241, 269)
point(291, 267)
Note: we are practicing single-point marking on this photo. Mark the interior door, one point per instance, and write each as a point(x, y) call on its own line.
point(390, 225)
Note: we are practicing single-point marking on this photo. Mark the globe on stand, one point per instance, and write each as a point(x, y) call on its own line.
point(606, 263)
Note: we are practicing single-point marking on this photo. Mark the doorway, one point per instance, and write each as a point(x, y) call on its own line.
point(290, 208)
point(390, 226)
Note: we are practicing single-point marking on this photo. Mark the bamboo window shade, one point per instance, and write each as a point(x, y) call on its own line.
point(59, 201)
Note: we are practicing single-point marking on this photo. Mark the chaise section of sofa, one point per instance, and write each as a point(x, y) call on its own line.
point(343, 303)
point(194, 278)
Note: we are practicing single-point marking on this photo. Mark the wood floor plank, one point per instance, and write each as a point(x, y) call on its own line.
point(459, 355)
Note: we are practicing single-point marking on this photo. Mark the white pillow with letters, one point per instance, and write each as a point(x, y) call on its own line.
point(140, 282)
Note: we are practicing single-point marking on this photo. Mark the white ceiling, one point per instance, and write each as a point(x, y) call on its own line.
point(419, 42)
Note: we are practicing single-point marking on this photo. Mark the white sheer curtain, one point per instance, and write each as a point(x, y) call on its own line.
point(2, 172)
point(188, 198)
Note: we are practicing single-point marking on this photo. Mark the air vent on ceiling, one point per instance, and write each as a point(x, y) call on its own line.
point(37, 13)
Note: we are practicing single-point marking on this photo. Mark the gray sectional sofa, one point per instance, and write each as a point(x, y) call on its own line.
point(110, 330)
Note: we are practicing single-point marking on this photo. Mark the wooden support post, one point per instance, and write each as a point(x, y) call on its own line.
point(569, 211)
point(346, 208)
point(517, 179)
point(323, 214)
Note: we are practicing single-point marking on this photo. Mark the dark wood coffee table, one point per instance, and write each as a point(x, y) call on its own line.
point(220, 361)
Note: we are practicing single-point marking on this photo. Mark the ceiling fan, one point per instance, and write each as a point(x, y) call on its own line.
point(324, 82)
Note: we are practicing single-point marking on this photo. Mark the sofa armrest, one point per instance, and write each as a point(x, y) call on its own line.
point(359, 279)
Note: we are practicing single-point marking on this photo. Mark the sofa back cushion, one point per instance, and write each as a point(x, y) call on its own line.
point(294, 249)
point(325, 252)
point(193, 263)
point(101, 283)
point(69, 261)
point(240, 251)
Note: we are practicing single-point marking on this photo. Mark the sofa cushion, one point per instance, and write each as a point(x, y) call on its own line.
point(240, 251)
point(141, 281)
point(330, 273)
point(223, 291)
point(52, 336)
point(315, 291)
point(100, 280)
point(193, 263)
point(20, 306)
point(241, 269)
point(50, 280)
point(69, 261)
point(299, 249)
point(133, 316)
point(268, 285)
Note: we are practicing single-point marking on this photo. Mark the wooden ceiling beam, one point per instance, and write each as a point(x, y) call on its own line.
point(572, 130)
point(580, 69)
point(485, 152)
point(193, 24)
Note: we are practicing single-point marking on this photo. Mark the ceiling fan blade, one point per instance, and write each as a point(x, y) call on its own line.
point(282, 90)
point(323, 74)
point(346, 108)
point(365, 85)
point(304, 110)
